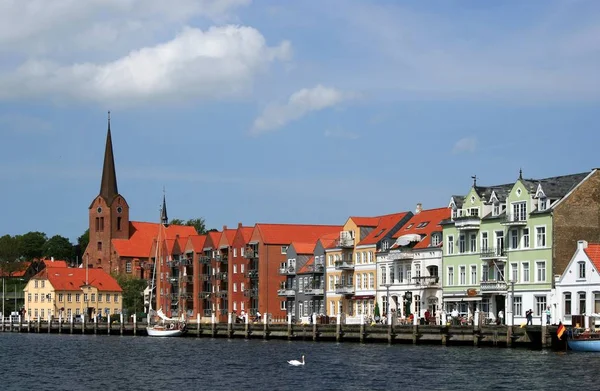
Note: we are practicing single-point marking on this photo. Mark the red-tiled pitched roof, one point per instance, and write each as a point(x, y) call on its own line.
point(287, 233)
point(416, 225)
point(229, 235)
point(143, 234)
point(247, 233)
point(303, 248)
point(212, 239)
point(385, 224)
point(55, 263)
point(593, 252)
point(329, 240)
point(304, 268)
point(19, 270)
point(197, 243)
point(71, 279)
point(365, 221)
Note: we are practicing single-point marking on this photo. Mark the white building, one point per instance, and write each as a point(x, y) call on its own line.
point(578, 289)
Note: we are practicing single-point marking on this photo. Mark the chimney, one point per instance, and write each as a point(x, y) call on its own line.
point(239, 225)
point(582, 244)
point(419, 208)
point(224, 228)
point(52, 258)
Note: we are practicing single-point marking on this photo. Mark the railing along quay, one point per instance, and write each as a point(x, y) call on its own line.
point(540, 337)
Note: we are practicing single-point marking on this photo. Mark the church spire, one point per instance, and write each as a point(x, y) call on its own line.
point(163, 211)
point(108, 186)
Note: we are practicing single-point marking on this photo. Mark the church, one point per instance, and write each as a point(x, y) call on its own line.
point(118, 245)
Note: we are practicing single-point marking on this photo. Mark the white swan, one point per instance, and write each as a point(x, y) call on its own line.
point(296, 362)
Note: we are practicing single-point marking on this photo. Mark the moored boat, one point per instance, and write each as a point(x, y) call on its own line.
point(583, 341)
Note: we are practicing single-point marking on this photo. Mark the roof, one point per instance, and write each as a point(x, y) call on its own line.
point(365, 221)
point(54, 263)
point(383, 228)
point(305, 268)
point(212, 239)
point(197, 242)
point(143, 234)
point(593, 253)
point(424, 224)
point(72, 279)
point(303, 248)
point(18, 269)
point(230, 235)
point(329, 240)
point(558, 186)
point(246, 233)
point(287, 233)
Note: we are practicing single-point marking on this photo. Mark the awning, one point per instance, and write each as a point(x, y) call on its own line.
point(407, 239)
point(466, 298)
point(363, 297)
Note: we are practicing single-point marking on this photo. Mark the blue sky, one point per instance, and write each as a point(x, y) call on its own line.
point(297, 112)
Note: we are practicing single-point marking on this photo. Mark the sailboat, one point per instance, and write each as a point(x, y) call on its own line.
point(167, 327)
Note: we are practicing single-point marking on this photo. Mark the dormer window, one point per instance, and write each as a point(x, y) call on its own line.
point(496, 209)
point(435, 240)
point(543, 204)
point(385, 245)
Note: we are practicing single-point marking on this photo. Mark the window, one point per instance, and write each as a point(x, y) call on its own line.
point(242, 251)
point(300, 308)
point(119, 223)
point(473, 275)
point(540, 268)
point(36, 283)
point(496, 210)
point(520, 211)
point(282, 306)
point(69, 297)
point(235, 287)
point(408, 274)
point(543, 204)
point(484, 242)
point(463, 275)
point(128, 267)
point(242, 286)
point(358, 281)
point(331, 283)
point(435, 240)
point(383, 275)
point(235, 252)
point(116, 298)
point(581, 267)
point(371, 280)
point(77, 297)
point(581, 303)
point(357, 258)
point(514, 239)
point(99, 246)
point(107, 298)
point(514, 267)
point(450, 250)
point(401, 274)
point(85, 297)
point(284, 249)
point(540, 305)
point(518, 305)
point(525, 271)
point(596, 303)
point(242, 268)
point(417, 270)
point(540, 236)
point(473, 243)
point(567, 301)
point(450, 275)
point(235, 305)
point(461, 244)
point(100, 296)
point(93, 297)
point(234, 269)
point(485, 272)
point(473, 211)
point(43, 283)
point(525, 237)
point(391, 271)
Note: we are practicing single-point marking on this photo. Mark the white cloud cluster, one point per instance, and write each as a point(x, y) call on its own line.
point(299, 104)
point(219, 62)
point(467, 144)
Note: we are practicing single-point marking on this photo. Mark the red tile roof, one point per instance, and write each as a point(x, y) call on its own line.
point(71, 279)
point(365, 221)
point(287, 233)
point(212, 240)
point(247, 233)
point(143, 234)
point(329, 240)
point(304, 268)
point(384, 225)
point(19, 270)
point(229, 234)
point(416, 225)
point(593, 252)
point(197, 243)
point(303, 248)
point(55, 263)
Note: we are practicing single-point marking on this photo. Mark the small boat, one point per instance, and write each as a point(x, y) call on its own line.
point(583, 340)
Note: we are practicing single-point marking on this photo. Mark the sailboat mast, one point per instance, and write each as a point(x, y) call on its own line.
point(156, 260)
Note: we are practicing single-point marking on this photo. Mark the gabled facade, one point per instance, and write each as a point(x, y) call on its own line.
point(297, 289)
point(208, 273)
point(502, 234)
point(221, 276)
point(194, 250)
point(409, 268)
point(239, 279)
point(578, 288)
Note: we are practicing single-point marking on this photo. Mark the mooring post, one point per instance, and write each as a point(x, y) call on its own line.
point(49, 323)
point(545, 329)
point(247, 326)
point(121, 324)
point(314, 322)
point(415, 335)
point(95, 324)
point(28, 323)
point(476, 328)
point(289, 326)
point(362, 328)
point(20, 323)
point(213, 325)
point(229, 325)
point(60, 323)
point(108, 323)
point(265, 326)
point(198, 324)
point(134, 324)
point(390, 321)
point(338, 327)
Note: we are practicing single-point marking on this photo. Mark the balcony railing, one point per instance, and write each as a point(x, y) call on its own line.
point(253, 274)
point(185, 262)
point(493, 286)
point(344, 265)
point(221, 294)
point(224, 258)
point(318, 268)
point(222, 276)
point(428, 281)
point(319, 290)
point(344, 289)
point(287, 270)
point(249, 254)
point(189, 278)
point(204, 295)
point(286, 292)
point(205, 260)
point(492, 253)
point(401, 255)
point(205, 277)
point(515, 219)
point(467, 222)
point(251, 292)
point(344, 243)
point(207, 312)
point(223, 311)
point(185, 295)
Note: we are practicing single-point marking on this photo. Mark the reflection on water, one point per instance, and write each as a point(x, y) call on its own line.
point(76, 362)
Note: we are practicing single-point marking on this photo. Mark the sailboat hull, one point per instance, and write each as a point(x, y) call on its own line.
point(154, 332)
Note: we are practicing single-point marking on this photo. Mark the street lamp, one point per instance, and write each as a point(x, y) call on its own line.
point(407, 300)
point(387, 286)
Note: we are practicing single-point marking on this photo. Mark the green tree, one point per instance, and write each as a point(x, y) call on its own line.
point(83, 240)
point(176, 222)
point(198, 223)
point(31, 244)
point(9, 248)
point(133, 293)
point(58, 247)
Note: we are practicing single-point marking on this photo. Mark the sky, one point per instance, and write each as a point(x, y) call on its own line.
point(288, 112)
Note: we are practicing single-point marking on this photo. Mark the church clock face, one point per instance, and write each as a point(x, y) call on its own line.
point(99, 210)
point(119, 209)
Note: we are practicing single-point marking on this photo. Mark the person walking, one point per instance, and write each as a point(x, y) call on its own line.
point(529, 316)
point(548, 316)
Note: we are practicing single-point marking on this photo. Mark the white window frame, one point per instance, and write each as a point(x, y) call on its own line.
point(462, 243)
point(523, 274)
point(485, 241)
point(514, 271)
point(462, 275)
point(537, 244)
point(450, 249)
point(537, 269)
point(474, 275)
point(581, 270)
point(526, 238)
point(450, 275)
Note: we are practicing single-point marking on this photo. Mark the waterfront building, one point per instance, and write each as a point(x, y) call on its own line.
point(267, 248)
point(208, 274)
point(578, 287)
point(194, 250)
point(118, 245)
point(297, 281)
point(514, 237)
point(239, 278)
point(221, 276)
point(408, 281)
point(66, 292)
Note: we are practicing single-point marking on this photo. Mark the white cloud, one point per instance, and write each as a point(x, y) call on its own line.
point(467, 144)
point(337, 133)
point(216, 63)
point(299, 104)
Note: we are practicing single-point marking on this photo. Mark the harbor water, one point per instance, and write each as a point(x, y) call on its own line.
point(95, 362)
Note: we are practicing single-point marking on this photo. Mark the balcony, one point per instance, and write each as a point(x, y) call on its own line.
point(287, 292)
point(204, 295)
point(514, 219)
point(223, 311)
point(287, 270)
point(186, 262)
point(205, 260)
point(493, 286)
point(399, 255)
point(185, 295)
point(344, 289)
point(252, 274)
point(221, 294)
point(428, 281)
point(189, 278)
point(316, 291)
point(222, 276)
point(492, 253)
point(204, 277)
point(207, 312)
point(318, 268)
point(174, 280)
point(251, 292)
point(250, 254)
point(345, 242)
point(224, 258)
point(173, 263)
point(464, 223)
point(344, 265)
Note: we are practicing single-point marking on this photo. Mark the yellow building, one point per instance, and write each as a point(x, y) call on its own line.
point(66, 292)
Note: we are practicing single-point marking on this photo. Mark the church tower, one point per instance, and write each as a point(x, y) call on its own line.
point(108, 216)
